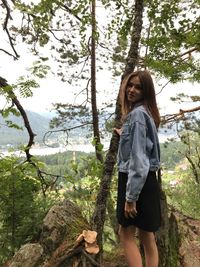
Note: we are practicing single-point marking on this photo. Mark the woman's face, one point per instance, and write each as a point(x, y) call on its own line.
point(134, 90)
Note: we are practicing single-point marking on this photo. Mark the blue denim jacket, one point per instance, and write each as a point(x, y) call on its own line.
point(139, 150)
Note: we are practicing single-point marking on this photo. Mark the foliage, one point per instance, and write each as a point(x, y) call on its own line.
point(24, 86)
point(183, 184)
point(82, 172)
point(68, 114)
point(68, 39)
point(83, 189)
point(171, 154)
point(85, 183)
point(192, 153)
point(22, 205)
point(18, 187)
point(175, 23)
point(183, 192)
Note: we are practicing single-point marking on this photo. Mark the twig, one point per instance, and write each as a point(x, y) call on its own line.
point(11, 43)
point(71, 12)
point(69, 255)
point(86, 88)
point(84, 63)
point(163, 87)
point(96, 264)
point(11, 94)
point(75, 252)
point(63, 130)
point(14, 57)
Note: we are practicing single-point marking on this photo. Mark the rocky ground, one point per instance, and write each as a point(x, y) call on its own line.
point(57, 246)
point(189, 251)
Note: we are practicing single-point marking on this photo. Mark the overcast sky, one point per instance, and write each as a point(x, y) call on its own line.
point(53, 90)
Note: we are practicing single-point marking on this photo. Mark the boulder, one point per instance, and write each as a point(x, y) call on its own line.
point(57, 243)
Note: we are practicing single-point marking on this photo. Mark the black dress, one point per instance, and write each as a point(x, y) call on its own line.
point(148, 204)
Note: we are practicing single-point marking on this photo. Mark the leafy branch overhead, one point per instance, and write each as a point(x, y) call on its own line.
point(170, 37)
point(173, 42)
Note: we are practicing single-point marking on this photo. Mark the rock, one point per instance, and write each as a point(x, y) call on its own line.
point(189, 250)
point(63, 221)
point(28, 256)
point(61, 227)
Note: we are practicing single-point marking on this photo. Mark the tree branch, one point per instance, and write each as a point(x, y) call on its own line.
point(14, 57)
point(8, 15)
point(189, 51)
point(71, 12)
point(177, 116)
point(65, 130)
point(5, 27)
point(11, 94)
point(44, 184)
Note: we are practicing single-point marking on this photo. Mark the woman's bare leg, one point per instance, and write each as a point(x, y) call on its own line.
point(150, 248)
point(132, 253)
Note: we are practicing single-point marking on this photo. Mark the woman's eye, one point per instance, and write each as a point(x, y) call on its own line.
point(138, 86)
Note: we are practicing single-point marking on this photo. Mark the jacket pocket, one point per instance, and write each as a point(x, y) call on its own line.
point(125, 143)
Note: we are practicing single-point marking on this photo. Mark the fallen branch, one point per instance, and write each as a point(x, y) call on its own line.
point(84, 246)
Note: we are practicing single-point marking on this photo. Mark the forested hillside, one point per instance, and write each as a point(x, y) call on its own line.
point(13, 136)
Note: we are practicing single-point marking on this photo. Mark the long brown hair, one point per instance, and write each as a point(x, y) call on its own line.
point(149, 96)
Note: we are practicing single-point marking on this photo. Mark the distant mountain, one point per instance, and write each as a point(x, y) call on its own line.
point(39, 125)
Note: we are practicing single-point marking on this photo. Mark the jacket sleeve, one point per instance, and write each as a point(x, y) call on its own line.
point(139, 163)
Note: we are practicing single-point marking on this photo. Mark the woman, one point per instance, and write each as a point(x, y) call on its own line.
point(138, 205)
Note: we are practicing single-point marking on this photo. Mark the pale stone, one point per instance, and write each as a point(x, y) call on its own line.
point(28, 256)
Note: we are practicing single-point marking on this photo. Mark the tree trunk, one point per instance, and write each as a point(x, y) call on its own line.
point(100, 207)
point(167, 245)
point(95, 117)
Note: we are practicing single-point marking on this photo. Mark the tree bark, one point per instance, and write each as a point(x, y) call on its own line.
point(12, 96)
point(95, 117)
point(100, 206)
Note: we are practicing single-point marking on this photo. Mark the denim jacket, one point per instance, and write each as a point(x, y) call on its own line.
point(139, 150)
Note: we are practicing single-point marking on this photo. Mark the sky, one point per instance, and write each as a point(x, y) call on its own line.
point(52, 90)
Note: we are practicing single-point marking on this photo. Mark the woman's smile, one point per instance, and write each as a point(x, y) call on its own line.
point(134, 90)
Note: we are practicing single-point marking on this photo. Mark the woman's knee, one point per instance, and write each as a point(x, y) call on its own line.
point(146, 238)
point(126, 233)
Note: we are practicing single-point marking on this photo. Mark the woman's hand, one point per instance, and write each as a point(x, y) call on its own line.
point(118, 131)
point(130, 209)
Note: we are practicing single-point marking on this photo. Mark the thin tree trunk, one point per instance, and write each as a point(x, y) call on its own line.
point(95, 117)
point(100, 207)
point(13, 218)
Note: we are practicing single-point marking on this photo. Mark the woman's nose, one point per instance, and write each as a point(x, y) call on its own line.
point(132, 88)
